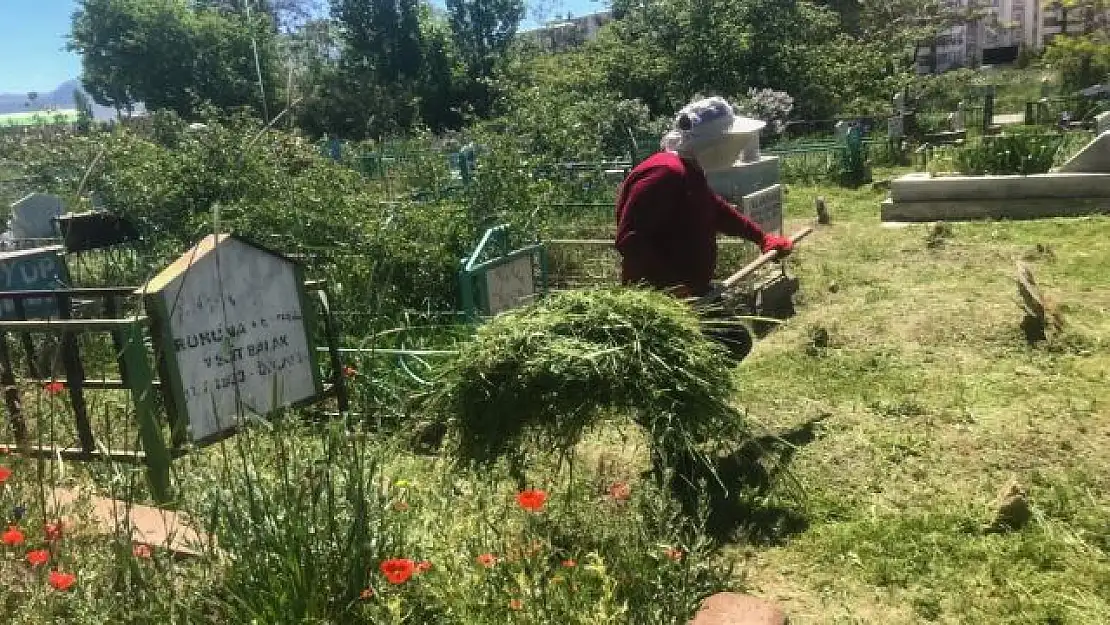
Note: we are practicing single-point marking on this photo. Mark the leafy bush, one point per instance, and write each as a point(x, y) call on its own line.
point(1019, 153)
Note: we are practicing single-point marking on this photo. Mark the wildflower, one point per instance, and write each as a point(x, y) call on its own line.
point(397, 570)
point(13, 537)
point(53, 531)
point(620, 491)
point(675, 554)
point(38, 557)
point(367, 593)
point(53, 388)
point(423, 566)
point(349, 371)
point(62, 581)
point(5, 473)
point(569, 564)
point(516, 604)
point(487, 560)
point(142, 551)
point(531, 500)
point(401, 505)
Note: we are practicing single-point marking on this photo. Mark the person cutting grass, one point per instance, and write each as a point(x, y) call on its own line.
point(668, 217)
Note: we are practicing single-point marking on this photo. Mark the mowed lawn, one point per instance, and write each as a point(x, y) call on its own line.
point(907, 350)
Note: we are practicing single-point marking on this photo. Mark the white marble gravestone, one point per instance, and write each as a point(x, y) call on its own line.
point(234, 339)
point(32, 217)
point(509, 285)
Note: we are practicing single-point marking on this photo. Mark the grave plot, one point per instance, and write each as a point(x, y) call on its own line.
point(1081, 186)
point(226, 334)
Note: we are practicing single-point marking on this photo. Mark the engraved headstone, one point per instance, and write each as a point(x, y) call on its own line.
point(32, 217)
point(764, 207)
point(36, 269)
point(233, 334)
point(509, 285)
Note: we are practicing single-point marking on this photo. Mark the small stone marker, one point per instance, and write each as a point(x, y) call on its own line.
point(32, 217)
point(234, 340)
point(36, 269)
point(822, 212)
point(764, 207)
point(728, 608)
point(841, 130)
point(510, 284)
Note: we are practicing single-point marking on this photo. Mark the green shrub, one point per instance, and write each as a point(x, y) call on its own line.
point(1008, 154)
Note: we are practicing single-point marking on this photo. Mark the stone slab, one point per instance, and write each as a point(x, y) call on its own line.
point(969, 210)
point(156, 527)
point(32, 216)
point(1095, 158)
point(1102, 123)
point(728, 608)
point(1055, 186)
point(745, 178)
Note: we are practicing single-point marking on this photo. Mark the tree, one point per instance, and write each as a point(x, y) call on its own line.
point(83, 105)
point(483, 31)
point(167, 54)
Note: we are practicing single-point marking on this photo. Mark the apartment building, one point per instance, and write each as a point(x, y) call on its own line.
point(569, 33)
point(1001, 28)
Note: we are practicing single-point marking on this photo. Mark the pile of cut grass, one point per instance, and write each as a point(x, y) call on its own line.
point(539, 377)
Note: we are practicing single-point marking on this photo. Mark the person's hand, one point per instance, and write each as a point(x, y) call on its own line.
point(774, 242)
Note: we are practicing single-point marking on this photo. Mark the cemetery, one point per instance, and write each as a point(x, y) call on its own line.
point(289, 364)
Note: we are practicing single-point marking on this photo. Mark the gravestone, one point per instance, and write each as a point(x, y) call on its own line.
point(1094, 158)
point(764, 207)
point(959, 120)
point(36, 269)
point(1102, 123)
point(841, 130)
point(234, 334)
point(33, 216)
point(510, 284)
point(896, 127)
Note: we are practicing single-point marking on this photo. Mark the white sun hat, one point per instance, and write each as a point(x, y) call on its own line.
point(705, 122)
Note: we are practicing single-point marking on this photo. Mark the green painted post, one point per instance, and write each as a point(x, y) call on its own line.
point(139, 379)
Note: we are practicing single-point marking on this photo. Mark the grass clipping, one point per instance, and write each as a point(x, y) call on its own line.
point(544, 374)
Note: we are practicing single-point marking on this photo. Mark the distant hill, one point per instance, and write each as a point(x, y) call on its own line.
point(59, 98)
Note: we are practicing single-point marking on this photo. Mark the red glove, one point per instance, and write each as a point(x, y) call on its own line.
point(774, 242)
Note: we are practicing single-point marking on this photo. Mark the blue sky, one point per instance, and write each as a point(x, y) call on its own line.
point(32, 39)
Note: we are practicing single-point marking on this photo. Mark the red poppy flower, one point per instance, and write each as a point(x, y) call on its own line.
point(569, 564)
point(53, 388)
point(423, 566)
point(397, 570)
point(516, 604)
point(62, 581)
point(349, 371)
point(531, 500)
point(53, 531)
point(5, 473)
point(38, 557)
point(13, 537)
point(142, 551)
point(367, 593)
point(620, 491)
point(674, 553)
point(487, 560)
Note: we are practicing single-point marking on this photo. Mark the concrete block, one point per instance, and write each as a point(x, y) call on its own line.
point(1095, 158)
point(728, 608)
point(745, 178)
point(972, 209)
point(1057, 186)
point(1102, 123)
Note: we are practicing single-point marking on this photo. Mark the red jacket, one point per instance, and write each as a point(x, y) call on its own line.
point(668, 219)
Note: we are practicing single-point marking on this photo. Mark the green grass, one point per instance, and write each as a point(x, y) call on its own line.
point(934, 401)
